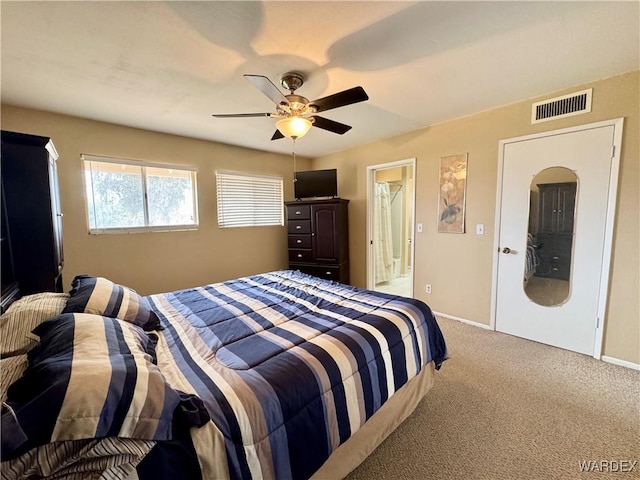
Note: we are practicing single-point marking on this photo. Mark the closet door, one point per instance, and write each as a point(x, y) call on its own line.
point(573, 320)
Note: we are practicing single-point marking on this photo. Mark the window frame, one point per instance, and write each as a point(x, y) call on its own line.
point(143, 164)
point(246, 175)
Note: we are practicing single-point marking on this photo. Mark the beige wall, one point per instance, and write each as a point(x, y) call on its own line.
point(459, 267)
point(157, 262)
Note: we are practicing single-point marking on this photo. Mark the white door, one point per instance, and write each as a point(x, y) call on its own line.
point(572, 322)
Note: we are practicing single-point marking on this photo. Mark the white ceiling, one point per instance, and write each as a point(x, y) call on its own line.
point(167, 66)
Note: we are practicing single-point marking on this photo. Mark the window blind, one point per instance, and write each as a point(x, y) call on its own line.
point(248, 200)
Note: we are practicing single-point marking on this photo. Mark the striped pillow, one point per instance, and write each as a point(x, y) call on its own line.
point(100, 296)
point(106, 458)
point(24, 315)
point(11, 369)
point(89, 377)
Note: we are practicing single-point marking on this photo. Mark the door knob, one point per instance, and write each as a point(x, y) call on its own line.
point(506, 250)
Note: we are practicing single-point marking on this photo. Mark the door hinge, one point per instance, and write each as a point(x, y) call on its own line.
point(613, 151)
point(598, 322)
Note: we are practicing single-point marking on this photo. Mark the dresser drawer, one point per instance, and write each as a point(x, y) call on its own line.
point(299, 241)
point(296, 255)
point(299, 226)
point(337, 273)
point(298, 212)
point(330, 273)
point(560, 271)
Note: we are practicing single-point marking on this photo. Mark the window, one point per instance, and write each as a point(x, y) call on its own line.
point(247, 200)
point(131, 196)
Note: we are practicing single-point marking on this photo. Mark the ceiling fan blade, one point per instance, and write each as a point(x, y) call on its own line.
point(330, 125)
point(267, 87)
point(277, 135)
point(346, 97)
point(234, 115)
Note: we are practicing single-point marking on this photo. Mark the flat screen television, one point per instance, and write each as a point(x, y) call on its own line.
point(316, 183)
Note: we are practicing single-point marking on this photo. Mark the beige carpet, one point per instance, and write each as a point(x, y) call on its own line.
point(547, 291)
point(507, 408)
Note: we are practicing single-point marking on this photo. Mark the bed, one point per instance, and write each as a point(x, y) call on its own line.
point(278, 375)
point(532, 260)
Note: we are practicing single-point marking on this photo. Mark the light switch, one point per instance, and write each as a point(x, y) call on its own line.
point(480, 229)
point(419, 228)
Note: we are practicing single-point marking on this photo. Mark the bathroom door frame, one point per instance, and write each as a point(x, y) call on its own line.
point(371, 178)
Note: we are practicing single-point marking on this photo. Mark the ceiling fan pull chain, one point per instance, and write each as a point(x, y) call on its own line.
point(294, 160)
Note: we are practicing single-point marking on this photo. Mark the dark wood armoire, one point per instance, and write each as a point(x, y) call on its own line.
point(318, 238)
point(555, 229)
point(32, 254)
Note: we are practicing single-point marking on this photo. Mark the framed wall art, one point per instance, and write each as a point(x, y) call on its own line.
point(451, 193)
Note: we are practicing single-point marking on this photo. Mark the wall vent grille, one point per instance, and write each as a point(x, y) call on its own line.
point(569, 105)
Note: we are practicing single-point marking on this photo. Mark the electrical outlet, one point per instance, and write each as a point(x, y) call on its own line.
point(428, 288)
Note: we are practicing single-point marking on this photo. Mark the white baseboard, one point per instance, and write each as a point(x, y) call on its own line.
point(622, 363)
point(463, 320)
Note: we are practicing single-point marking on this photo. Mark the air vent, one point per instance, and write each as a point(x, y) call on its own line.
point(575, 103)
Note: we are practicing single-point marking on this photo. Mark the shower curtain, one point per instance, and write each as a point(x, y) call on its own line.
point(383, 244)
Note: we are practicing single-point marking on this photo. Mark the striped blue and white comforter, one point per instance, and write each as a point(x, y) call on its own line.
point(288, 366)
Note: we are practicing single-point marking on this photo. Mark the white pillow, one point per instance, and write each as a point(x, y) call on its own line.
point(24, 315)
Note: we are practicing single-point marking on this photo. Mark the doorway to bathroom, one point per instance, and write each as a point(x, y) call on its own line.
point(390, 219)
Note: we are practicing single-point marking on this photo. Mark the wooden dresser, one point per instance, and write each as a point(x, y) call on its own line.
point(555, 229)
point(318, 238)
point(31, 218)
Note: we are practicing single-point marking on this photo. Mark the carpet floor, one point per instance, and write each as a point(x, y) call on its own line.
point(507, 408)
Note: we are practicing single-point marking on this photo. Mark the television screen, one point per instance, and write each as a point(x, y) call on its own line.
point(316, 183)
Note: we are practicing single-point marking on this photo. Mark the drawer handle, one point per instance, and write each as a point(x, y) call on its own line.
point(298, 227)
point(299, 255)
point(298, 241)
point(298, 212)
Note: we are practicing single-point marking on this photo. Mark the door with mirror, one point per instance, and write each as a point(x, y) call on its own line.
point(551, 255)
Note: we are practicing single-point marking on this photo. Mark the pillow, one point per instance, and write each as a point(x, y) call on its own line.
point(114, 458)
point(11, 369)
point(24, 315)
point(100, 296)
point(89, 377)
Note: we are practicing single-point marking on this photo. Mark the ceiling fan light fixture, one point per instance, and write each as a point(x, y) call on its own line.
point(294, 127)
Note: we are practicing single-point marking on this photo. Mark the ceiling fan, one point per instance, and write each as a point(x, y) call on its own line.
point(296, 113)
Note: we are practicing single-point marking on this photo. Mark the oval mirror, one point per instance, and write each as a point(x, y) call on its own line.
point(548, 263)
